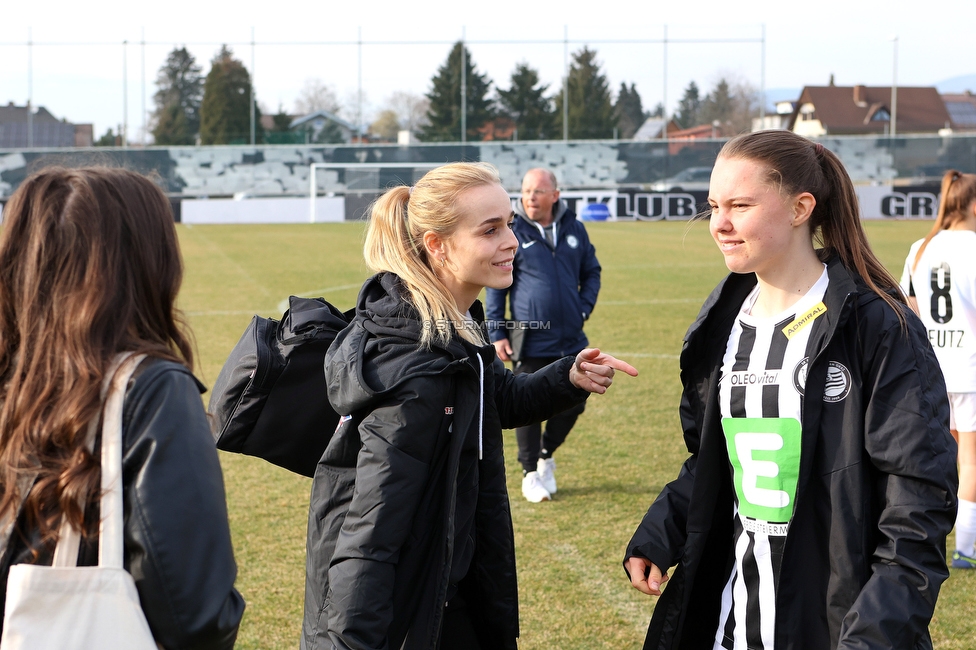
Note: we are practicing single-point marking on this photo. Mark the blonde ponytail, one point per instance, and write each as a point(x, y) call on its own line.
point(394, 243)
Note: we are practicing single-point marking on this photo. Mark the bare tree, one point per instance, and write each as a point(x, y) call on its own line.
point(746, 104)
point(386, 125)
point(740, 99)
point(410, 108)
point(316, 95)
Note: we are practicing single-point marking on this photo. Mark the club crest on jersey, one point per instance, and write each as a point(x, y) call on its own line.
point(800, 375)
point(838, 384)
point(572, 241)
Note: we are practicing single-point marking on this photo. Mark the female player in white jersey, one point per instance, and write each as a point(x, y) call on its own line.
point(940, 281)
point(814, 508)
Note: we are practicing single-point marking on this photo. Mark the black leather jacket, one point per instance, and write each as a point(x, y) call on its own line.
point(176, 538)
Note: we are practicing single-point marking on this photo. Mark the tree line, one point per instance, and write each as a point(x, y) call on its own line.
point(216, 109)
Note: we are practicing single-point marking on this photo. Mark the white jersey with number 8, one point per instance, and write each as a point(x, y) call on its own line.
point(944, 285)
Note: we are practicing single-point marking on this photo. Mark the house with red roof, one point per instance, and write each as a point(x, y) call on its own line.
point(868, 110)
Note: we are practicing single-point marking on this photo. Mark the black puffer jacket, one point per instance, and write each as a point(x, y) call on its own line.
point(404, 515)
point(865, 553)
point(176, 541)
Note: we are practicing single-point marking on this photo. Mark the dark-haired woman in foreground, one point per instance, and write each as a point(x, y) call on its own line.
point(814, 509)
point(90, 268)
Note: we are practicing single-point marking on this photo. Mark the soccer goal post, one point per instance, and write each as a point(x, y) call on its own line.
point(366, 177)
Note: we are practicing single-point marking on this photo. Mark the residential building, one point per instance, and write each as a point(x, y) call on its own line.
point(47, 130)
point(653, 128)
point(962, 110)
point(866, 110)
point(314, 123)
point(778, 119)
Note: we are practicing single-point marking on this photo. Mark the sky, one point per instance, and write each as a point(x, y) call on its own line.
point(79, 69)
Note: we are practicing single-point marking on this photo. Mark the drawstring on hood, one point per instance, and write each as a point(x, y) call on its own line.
point(481, 407)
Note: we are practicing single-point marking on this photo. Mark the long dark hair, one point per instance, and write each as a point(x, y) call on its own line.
point(795, 165)
point(89, 267)
point(958, 193)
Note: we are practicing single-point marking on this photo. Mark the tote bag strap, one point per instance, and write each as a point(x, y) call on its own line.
point(24, 485)
point(110, 526)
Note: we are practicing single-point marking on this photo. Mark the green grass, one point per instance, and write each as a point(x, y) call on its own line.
point(573, 592)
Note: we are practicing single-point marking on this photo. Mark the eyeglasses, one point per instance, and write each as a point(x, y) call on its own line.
point(535, 193)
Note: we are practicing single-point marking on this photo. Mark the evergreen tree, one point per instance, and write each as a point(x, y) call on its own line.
point(281, 121)
point(444, 115)
point(225, 114)
point(176, 118)
point(330, 133)
point(109, 140)
point(689, 107)
point(718, 106)
point(525, 102)
point(590, 111)
point(658, 111)
point(280, 132)
point(629, 111)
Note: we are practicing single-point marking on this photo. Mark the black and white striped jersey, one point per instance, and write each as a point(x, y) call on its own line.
point(760, 395)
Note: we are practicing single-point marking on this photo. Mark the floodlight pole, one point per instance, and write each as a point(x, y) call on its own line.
point(565, 82)
point(359, 96)
point(762, 81)
point(125, 93)
point(464, 90)
point(664, 102)
point(30, 90)
point(894, 89)
point(145, 133)
point(253, 126)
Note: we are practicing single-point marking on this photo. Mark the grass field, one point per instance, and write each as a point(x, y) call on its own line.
point(573, 591)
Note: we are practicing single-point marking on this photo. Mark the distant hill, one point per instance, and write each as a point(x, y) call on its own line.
point(957, 84)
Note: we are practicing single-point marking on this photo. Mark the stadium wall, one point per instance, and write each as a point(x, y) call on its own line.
point(892, 174)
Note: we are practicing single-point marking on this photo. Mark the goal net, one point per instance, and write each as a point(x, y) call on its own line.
point(360, 183)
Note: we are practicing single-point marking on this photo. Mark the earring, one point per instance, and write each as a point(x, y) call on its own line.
point(442, 262)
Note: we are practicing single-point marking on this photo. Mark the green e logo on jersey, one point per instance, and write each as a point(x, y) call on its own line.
point(765, 456)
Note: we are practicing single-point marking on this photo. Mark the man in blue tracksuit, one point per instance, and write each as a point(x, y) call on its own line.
point(556, 282)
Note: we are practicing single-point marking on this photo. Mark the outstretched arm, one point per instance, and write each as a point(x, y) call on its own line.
point(593, 370)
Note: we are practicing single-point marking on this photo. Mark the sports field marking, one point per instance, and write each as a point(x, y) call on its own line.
point(212, 245)
point(225, 312)
point(315, 293)
point(641, 355)
point(611, 589)
point(656, 301)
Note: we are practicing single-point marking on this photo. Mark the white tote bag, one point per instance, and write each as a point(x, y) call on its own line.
point(67, 607)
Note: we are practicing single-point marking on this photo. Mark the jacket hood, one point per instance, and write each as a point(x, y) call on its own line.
point(560, 210)
point(381, 347)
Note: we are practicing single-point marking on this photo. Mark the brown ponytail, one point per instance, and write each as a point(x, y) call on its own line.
point(795, 165)
point(958, 193)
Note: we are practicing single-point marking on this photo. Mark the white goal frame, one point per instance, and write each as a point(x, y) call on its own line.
point(313, 187)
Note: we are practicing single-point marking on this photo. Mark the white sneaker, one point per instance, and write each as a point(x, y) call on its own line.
point(533, 490)
point(547, 474)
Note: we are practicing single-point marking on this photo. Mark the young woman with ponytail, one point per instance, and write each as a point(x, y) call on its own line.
point(410, 541)
point(940, 281)
point(814, 508)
